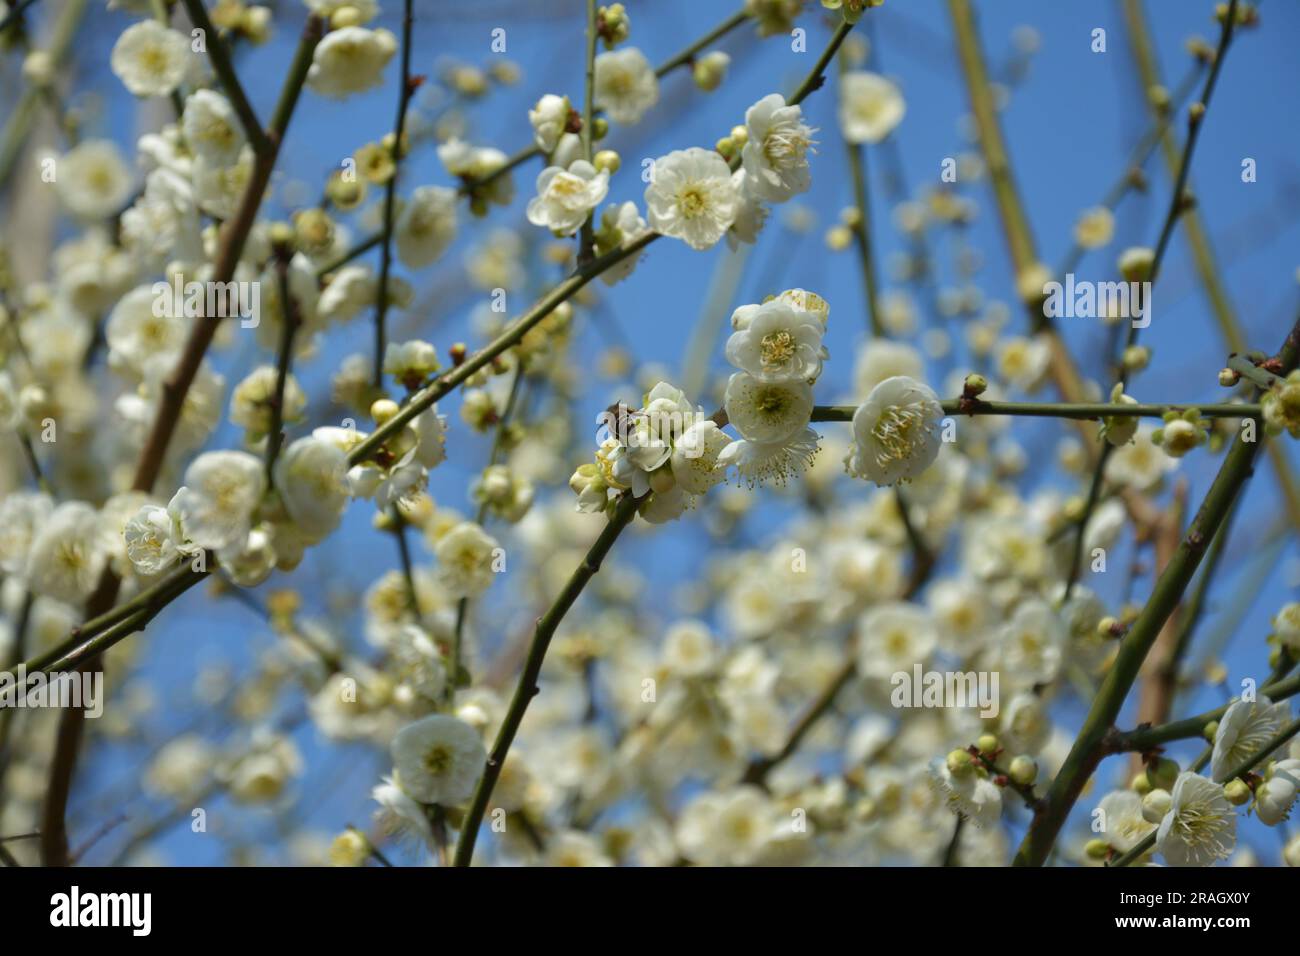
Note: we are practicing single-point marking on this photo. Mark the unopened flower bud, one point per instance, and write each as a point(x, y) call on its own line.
point(960, 763)
point(1237, 792)
point(1023, 770)
point(710, 70)
point(383, 409)
point(1155, 805)
point(1135, 263)
point(987, 744)
point(975, 385)
point(1096, 849)
point(607, 159)
point(345, 16)
point(1162, 773)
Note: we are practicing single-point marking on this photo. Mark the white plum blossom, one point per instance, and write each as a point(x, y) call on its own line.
point(549, 118)
point(350, 60)
point(625, 85)
point(426, 226)
point(438, 760)
point(151, 59)
point(1200, 827)
point(765, 411)
point(467, 557)
point(68, 553)
point(779, 344)
point(152, 539)
point(620, 226)
point(312, 478)
point(211, 127)
point(870, 107)
point(1244, 729)
point(775, 155)
point(215, 506)
point(93, 181)
point(691, 197)
point(895, 432)
point(565, 197)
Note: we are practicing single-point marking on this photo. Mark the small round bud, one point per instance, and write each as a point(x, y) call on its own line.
point(838, 238)
point(383, 409)
point(1096, 849)
point(282, 235)
point(599, 128)
point(1140, 784)
point(38, 68)
point(710, 70)
point(1136, 358)
point(739, 135)
point(1210, 731)
point(1023, 770)
point(1108, 626)
point(607, 159)
point(960, 763)
point(1162, 773)
point(1195, 113)
point(1135, 263)
point(1228, 378)
point(1155, 805)
point(726, 146)
point(458, 352)
point(975, 385)
point(987, 744)
point(345, 16)
point(1237, 792)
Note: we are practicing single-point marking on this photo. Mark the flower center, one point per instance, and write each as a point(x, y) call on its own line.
point(693, 201)
point(785, 148)
point(776, 349)
point(1201, 828)
point(896, 433)
point(437, 760)
point(771, 403)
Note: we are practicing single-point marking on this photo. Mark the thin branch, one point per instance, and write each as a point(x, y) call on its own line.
point(527, 687)
point(408, 85)
point(1089, 746)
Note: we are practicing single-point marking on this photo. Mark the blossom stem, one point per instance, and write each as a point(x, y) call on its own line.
point(229, 79)
point(1071, 410)
point(356, 251)
point(275, 437)
point(462, 606)
point(1090, 745)
point(816, 76)
point(1203, 258)
point(586, 238)
point(527, 687)
point(390, 195)
point(687, 56)
point(1178, 201)
point(857, 154)
point(1145, 738)
point(1177, 204)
